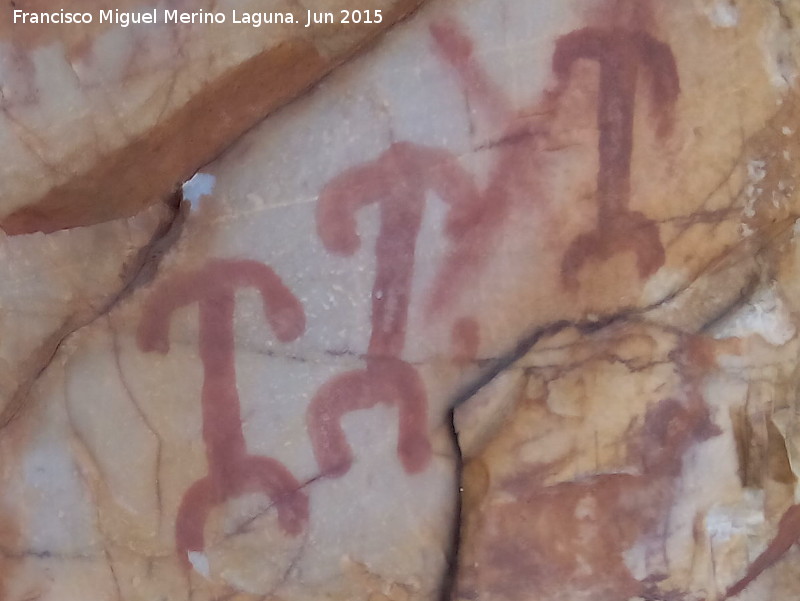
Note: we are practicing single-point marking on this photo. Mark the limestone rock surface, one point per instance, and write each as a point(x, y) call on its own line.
point(505, 309)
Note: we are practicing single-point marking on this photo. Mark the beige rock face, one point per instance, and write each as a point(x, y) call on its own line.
point(56, 284)
point(101, 120)
point(503, 310)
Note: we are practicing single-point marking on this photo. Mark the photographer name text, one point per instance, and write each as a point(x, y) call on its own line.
point(199, 17)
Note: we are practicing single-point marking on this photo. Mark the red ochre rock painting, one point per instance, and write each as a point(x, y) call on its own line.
point(473, 228)
point(620, 53)
point(232, 471)
point(384, 380)
point(579, 531)
point(397, 181)
point(787, 536)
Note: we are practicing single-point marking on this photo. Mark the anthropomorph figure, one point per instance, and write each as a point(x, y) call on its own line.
point(232, 471)
point(397, 181)
point(620, 53)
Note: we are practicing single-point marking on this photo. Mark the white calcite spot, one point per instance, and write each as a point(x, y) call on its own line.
point(202, 184)
point(756, 170)
point(725, 523)
point(778, 49)
point(199, 562)
point(586, 508)
point(732, 529)
point(766, 315)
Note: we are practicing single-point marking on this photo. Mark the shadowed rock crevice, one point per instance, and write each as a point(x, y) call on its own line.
point(733, 298)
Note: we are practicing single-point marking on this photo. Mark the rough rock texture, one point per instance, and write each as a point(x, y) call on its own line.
point(101, 120)
point(56, 284)
point(504, 309)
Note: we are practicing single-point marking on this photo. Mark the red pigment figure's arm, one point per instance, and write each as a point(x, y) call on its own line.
point(153, 331)
point(282, 309)
point(341, 199)
point(788, 534)
point(467, 212)
point(584, 43)
point(441, 172)
point(456, 48)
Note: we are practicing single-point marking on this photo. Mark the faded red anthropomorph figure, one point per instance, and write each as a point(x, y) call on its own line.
point(474, 225)
point(621, 54)
point(232, 471)
point(397, 182)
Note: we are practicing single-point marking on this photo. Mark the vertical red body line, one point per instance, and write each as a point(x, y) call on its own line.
point(231, 470)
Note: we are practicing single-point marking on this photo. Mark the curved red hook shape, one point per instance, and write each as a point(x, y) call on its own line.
point(397, 181)
point(232, 471)
point(387, 381)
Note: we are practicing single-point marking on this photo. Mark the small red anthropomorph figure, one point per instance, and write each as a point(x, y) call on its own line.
point(620, 52)
point(231, 470)
point(397, 181)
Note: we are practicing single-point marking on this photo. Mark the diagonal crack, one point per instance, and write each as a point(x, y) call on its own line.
point(492, 371)
point(137, 273)
point(585, 327)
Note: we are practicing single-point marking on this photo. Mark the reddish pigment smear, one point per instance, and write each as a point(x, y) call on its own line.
point(472, 229)
point(620, 54)
point(385, 380)
point(455, 47)
point(231, 470)
point(22, 90)
point(397, 181)
point(788, 535)
point(466, 339)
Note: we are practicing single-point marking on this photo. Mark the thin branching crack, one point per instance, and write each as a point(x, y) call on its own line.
point(585, 327)
point(450, 577)
point(137, 273)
